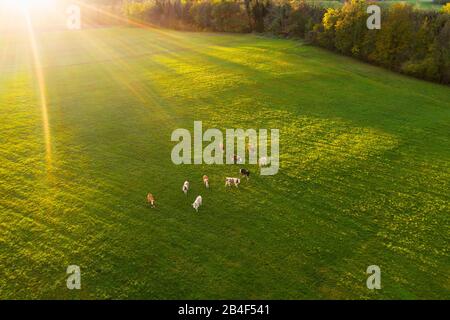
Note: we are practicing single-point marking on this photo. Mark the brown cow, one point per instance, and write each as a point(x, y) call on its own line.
point(151, 200)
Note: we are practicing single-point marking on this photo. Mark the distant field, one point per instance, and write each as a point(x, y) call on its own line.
point(364, 178)
point(420, 4)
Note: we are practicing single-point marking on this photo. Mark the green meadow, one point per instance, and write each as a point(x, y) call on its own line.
point(364, 176)
point(419, 4)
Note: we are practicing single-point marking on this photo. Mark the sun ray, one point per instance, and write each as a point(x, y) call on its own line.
point(41, 87)
point(127, 20)
point(138, 91)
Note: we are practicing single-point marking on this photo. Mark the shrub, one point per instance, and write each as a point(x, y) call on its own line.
point(276, 20)
point(351, 28)
point(201, 13)
point(228, 16)
point(303, 18)
point(446, 9)
point(141, 11)
point(326, 32)
point(394, 42)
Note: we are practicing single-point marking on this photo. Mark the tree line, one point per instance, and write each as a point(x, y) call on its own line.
point(411, 41)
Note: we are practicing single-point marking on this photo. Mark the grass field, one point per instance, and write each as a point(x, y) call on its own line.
point(419, 4)
point(364, 177)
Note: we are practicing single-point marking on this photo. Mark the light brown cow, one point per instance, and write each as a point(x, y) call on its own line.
point(206, 181)
point(151, 200)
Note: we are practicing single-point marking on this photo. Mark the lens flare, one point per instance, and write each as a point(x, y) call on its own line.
point(41, 86)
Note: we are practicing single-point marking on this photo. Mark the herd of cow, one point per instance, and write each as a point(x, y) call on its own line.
point(199, 200)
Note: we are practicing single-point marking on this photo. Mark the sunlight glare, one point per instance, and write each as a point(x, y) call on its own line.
point(42, 88)
point(27, 4)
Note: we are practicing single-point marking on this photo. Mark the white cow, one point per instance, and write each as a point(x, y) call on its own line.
point(236, 159)
point(197, 203)
point(251, 148)
point(186, 187)
point(263, 161)
point(232, 181)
